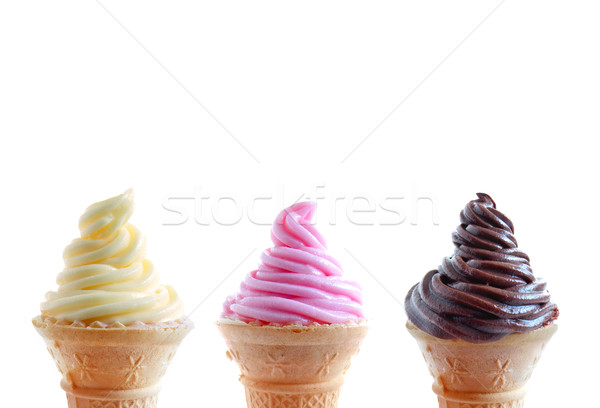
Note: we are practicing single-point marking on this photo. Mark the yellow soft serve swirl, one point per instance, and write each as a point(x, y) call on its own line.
point(107, 277)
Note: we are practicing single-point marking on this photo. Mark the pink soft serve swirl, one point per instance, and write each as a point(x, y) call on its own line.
point(297, 281)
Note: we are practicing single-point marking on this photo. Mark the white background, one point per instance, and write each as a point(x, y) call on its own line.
point(505, 103)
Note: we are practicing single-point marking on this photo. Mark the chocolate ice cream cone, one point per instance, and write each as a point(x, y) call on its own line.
point(482, 375)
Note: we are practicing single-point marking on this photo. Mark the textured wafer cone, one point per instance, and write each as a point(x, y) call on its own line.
point(486, 375)
point(116, 367)
point(292, 366)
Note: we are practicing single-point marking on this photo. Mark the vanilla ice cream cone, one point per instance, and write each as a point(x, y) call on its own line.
point(111, 365)
point(292, 366)
point(482, 375)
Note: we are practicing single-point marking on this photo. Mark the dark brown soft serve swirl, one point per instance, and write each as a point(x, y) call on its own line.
point(486, 289)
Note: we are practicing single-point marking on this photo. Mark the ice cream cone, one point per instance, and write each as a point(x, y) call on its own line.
point(482, 375)
point(292, 366)
point(111, 367)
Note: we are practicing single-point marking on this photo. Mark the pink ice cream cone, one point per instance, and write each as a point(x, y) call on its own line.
point(295, 323)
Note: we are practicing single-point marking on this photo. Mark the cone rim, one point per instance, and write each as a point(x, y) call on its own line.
point(291, 334)
point(291, 327)
point(43, 321)
point(49, 328)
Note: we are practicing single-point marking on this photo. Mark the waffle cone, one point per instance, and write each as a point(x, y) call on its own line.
point(486, 375)
point(292, 366)
point(117, 367)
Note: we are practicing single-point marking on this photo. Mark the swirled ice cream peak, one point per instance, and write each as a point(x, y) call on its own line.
point(107, 277)
point(486, 290)
point(297, 281)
